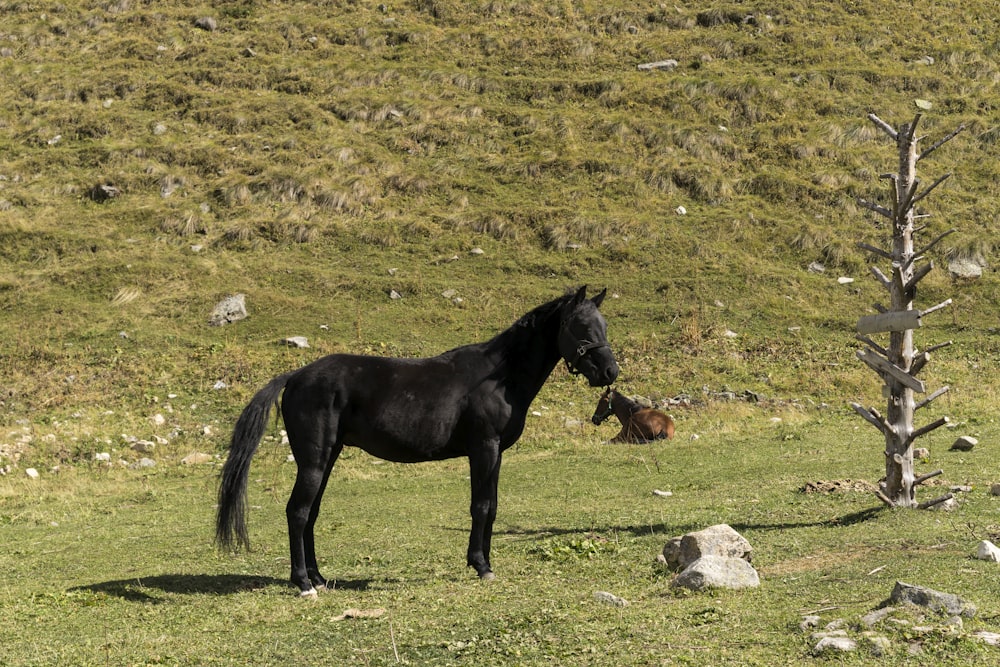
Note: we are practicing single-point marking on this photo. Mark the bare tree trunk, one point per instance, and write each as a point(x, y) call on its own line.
point(899, 363)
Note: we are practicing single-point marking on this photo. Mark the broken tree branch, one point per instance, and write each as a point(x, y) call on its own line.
point(923, 478)
point(936, 241)
point(877, 251)
point(877, 272)
point(869, 417)
point(927, 504)
point(872, 344)
point(940, 143)
point(884, 126)
point(929, 188)
point(943, 304)
point(881, 210)
point(927, 429)
point(937, 394)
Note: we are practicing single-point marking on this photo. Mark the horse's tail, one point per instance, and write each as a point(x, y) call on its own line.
point(230, 520)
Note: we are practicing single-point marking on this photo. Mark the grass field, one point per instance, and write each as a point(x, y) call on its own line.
point(319, 156)
point(116, 566)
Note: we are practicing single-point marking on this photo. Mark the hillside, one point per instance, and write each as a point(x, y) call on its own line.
point(316, 156)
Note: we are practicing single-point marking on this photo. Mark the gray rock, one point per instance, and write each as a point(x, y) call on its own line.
point(946, 603)
point(296, 341)
point(809, 622)
point(206, 23)
point(991, 638)
point(871, 619)
point(669, 63)
point(672, 553)
point(231, 309)
point(719, 540)
point(964, 443)
point(965, 267)
point(717, 572)
point(610, 599)
point(835, 645)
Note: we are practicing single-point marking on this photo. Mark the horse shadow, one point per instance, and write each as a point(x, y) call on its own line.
point(148, 589)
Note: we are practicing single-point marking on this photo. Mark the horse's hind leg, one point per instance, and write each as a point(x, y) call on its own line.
point(315, 459)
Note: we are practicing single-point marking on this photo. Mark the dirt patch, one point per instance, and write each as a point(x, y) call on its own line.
point(839, 486)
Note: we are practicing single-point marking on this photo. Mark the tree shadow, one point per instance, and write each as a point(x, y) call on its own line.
point(146, 589)
point(543, 532)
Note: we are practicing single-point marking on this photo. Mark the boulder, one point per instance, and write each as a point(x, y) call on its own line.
point(717, 572)
point(719, 540)
point(945, 603)
point(964, 443)
point(231, 309)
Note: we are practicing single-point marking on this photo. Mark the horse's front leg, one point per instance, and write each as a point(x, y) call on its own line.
point(484, 467)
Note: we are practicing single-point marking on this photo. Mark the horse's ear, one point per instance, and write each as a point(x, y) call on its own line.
point(599, 299)
point(580, 295)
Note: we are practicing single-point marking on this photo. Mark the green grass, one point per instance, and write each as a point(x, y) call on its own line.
point(315, 156)
point(116, 566)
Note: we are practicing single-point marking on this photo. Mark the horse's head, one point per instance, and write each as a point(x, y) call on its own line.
point(603, 410)
point(583, 339)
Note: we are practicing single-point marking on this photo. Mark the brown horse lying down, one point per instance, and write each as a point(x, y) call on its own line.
point(639, 423)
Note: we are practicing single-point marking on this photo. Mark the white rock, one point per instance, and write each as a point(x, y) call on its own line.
point(219, 385)
point(662, 494)
point(32, 473)
point(717, 572)
point(680, 210)
point(610, 599)
point(844, 280)
point(964, 443)
point(477, 251)
point(102, 456)
point(991, 638)
point(231, 309)
point(831, 644)
point(159, 420)
point(296, 341)
point(986, 550)
point(195, 458)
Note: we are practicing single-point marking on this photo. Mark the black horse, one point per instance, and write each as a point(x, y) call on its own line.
point(470, 401)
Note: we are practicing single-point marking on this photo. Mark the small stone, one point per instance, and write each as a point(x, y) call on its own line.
point(103, 457)
point(986, 550)
point(159, 420)
point(995, 489)
point(393, 294)
point(835, 644)
point(964, 443)
point(143, 463)
point(610, 599)
point(206, 23)
point(143, 446)
point(921, 453)
point(991, 638)
point(219, 385)
point(871, 619)
point(32, 473)
point(296, 341)
point(968, 269)
point(477, 251)
point(667, 64)
point(662, 494)
point(809, 622)
point(448, 293)
point(231, 309)
point(816, 267)
point(196, 458)
point(680, 210)
point(844, 280)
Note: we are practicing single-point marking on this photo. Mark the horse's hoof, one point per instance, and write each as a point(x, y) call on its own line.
point(309, 594)
point(487, 576)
